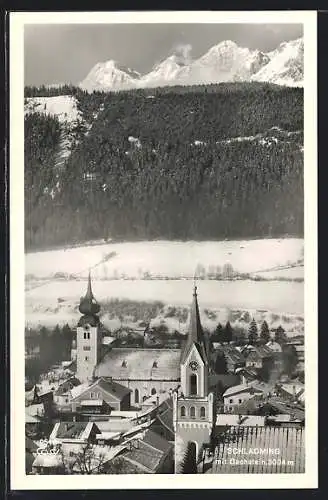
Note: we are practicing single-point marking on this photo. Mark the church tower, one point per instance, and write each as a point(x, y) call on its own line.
point(88, 336)
point(193, 410)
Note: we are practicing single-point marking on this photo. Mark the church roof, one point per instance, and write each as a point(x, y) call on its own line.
point(195, 333)
point(88, 304)
point(140, 364)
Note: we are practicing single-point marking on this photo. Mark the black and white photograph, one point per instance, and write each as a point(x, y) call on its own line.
point(164, 210)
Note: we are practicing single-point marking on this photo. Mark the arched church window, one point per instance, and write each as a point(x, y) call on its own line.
point(192, 412)
point(202, 412)
point(124, 364)
point(136, 396)
point(183, 411)
point(155, 364)
point(153, 391)
point(193, 384)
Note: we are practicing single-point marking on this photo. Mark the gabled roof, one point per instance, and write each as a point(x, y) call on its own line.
point(67, 386)
point(195, 333)
point(236, 389)
point(113, 389)
point(73, 430)
point(156, 441)
point(148, 450)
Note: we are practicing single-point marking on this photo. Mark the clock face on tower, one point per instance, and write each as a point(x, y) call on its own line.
point(193, 365)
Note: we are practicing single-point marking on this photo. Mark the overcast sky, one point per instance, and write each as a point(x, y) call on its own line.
point(65, 53)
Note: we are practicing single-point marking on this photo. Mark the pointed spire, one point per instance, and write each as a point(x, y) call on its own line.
point(89, 293)
point(195, 333)
point(88, 304)
point(195, 327)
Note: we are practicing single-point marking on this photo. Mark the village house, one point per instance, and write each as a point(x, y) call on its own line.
point(62, 395)
point(102, 394)
point(259, 357)
point(233, 357)
point(290, 391)
point(237, 395)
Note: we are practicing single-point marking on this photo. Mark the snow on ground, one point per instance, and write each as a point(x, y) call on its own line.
point(271, 300)
point(296, 272)
point(172, 259)
point(62, 106)
point(55, 281)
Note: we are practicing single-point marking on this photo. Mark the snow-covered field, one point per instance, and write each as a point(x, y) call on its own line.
point(166, 258)
point(260, 299)
point(64, 107)
point(55, 281)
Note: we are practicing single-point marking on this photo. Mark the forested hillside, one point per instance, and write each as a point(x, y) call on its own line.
point(205, 162)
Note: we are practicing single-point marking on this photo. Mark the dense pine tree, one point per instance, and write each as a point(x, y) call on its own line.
point(252, 332)
point(265, 332)
point(228, 332)
point(189, 465)
point(280, 335)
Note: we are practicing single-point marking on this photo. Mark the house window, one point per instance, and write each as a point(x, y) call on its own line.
point(136, 396)
point(192, 412)
point(231, 400)
point(144, 398)
point(86, 358)
point(153, 391)
point(183, 411)
point(193, 384)
point(155, 364)
point(202, 412)
point(239, 401)
point(124, 364)
point(86, 348)
point(86, 335)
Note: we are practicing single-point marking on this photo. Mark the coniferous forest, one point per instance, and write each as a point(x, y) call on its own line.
point(203, 162)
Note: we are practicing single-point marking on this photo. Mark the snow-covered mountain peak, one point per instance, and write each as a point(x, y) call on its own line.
point(223, 62)
point(285, 66)
point(109, 75)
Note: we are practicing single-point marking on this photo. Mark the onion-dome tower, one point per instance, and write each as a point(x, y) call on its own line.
point(88, 336)
point(89, 307)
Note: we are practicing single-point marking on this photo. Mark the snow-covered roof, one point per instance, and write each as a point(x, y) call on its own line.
point(293, 389)
point(76, 391)
point(124, 414)
point(128, 363)
point(48, 460)
point(108, 435)
point(34, 410)
point(240, 388)
point(232, 419)
point(108, 340)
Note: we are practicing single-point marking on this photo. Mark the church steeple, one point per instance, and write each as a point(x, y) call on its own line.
point(195, 332)
point(88, 304)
